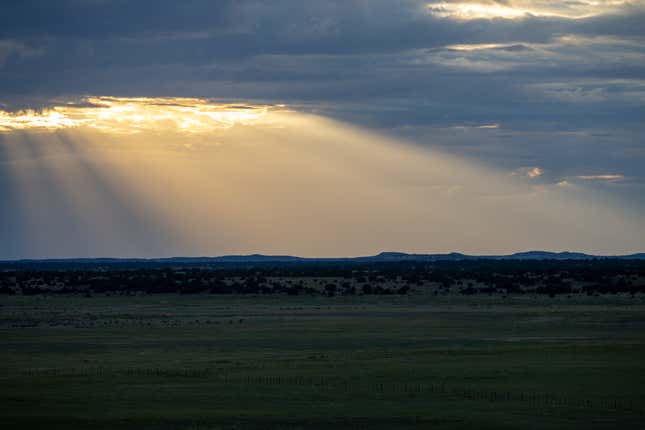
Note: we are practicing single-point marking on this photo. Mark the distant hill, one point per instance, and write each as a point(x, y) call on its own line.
point(253, 258)
point(545, 255)
point(528, 255)
point(639, 256)
point(382, 257)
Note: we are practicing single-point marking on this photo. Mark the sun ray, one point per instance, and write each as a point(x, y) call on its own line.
point(287, 183)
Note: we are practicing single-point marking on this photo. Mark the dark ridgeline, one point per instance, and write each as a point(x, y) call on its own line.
point(66, 263)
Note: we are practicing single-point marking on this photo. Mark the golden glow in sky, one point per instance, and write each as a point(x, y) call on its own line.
point(514, 9)
point(475, 10)
point(177, 176)
point(120, 115)
point(478, 46)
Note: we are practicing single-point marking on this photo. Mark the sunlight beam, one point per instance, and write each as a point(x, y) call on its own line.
point(286, 182)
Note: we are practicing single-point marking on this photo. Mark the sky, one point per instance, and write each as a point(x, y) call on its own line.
point(327, 128)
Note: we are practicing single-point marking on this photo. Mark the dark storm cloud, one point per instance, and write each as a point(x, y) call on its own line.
point(121, 32)
point(99, 19)
point(113, 34)
point(629, 23)
point(392, 65)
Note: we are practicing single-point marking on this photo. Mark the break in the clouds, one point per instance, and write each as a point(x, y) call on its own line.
point(553, 91)
point(529, 172)
point(115, 115)
point(522, 8)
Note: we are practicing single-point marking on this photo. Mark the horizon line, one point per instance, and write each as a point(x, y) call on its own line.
point(382, 254)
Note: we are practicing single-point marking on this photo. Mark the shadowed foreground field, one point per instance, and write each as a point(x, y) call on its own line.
point(241, 362)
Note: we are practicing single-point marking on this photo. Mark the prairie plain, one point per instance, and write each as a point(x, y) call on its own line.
point(204, 361)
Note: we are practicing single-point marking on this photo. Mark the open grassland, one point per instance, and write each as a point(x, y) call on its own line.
point(314, 362)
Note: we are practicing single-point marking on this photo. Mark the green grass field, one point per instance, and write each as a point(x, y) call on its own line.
point(384, 362)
